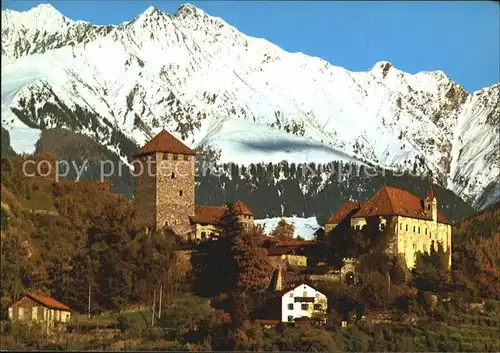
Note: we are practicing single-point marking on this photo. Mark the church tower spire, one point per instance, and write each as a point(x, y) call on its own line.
point(430, 204)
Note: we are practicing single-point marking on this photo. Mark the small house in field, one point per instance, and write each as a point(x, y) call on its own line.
point(38, 308)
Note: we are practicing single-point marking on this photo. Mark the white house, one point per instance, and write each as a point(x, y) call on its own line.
point(303, 301)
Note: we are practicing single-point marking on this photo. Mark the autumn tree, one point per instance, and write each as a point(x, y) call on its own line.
point(284, 230)
point(252, 273)
point(431, 270)
point(375, 289)
point(230, 225)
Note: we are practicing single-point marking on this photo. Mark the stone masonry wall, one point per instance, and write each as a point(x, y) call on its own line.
point(175, 190)
point(144, 193)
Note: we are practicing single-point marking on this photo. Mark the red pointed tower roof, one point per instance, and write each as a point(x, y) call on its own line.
point(430, 193)
point(241, 209)
point(164, 142)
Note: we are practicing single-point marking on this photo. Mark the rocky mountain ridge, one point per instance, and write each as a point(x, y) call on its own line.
point(201, 78)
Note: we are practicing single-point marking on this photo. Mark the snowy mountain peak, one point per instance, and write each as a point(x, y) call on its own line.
point(188, 10)
point(43, 16)
point(381, 65)
point(46, 10)
point(151, 11)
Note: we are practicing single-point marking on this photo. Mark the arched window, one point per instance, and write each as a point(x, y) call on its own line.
point(349, 278)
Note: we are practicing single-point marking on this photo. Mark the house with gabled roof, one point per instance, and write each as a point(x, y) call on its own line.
point(414, 223)
point(208, 220)
point(38, 308)
point(303, 301)
point(293, 305)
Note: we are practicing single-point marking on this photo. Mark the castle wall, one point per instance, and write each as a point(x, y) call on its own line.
point(175, 190)
point(245, 220)
point(358, 223)
point(329, 227)
point(208, 229)
point(294, 260)
point(414, 235)
point(145, 191)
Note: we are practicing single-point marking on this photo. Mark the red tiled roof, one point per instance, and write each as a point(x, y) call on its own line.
point(48, 302)
point(241, 209)
point(344, 210)
point(280, 250)
point(442, 218)
point(294, 242)
point(213, 214)
point(267, 321)
point(390, 201)
point(207, 214)
point(287, 247)
point(430, 194)
point(164, 142)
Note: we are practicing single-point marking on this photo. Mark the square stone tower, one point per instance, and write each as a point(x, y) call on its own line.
point(164, 171)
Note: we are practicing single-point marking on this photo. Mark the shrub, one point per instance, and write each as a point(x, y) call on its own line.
point(123, 323)
point(492, 306)
point(29, 335)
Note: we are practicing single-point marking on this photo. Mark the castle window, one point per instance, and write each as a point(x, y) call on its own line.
point(414, 228)
point(203, 235)
point(173, 175)
point(425, 231)
point(212, 234)
point(186, 157)
point(291, 294)
point(418, 230)
point(407, 227)
point(317, 307)
point(175, 157)
point(165, 156)
point(180, 192)
point(304, 306)
point(290, 306)
point(290, 318)
point(400, 226)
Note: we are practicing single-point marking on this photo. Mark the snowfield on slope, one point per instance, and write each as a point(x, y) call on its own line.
point(247, 142)
point(304, 227)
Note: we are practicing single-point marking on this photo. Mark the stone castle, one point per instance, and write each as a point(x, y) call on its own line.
point(415, 224)
point(165, 197)
point(164, 194)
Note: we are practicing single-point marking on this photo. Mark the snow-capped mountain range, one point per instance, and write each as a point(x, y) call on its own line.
point(201, 78)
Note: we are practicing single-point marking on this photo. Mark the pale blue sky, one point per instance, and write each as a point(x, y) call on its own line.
point(461, 38)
